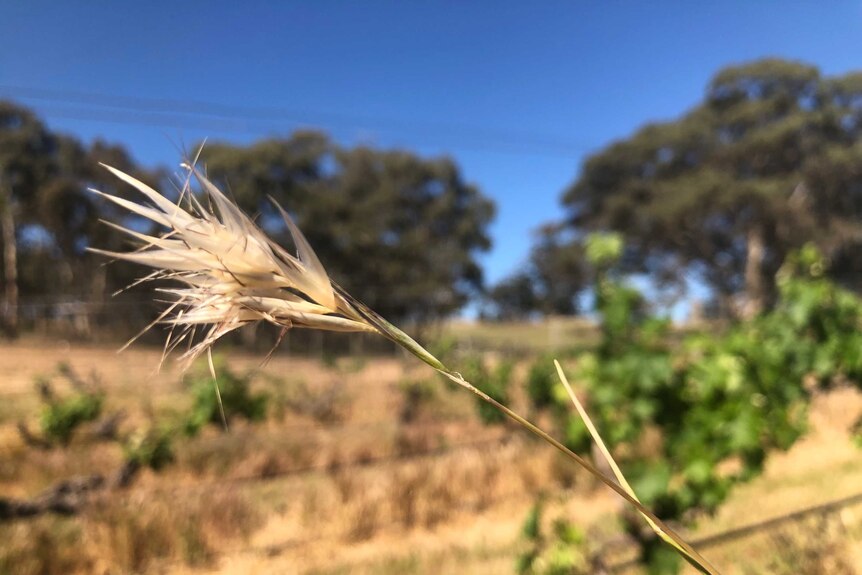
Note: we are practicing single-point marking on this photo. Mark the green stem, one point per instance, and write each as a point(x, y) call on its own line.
point(692, 556)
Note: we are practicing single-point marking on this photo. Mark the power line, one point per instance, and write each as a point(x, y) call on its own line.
point(156, 120)
point(165, 121)
point(215, 109)
point(208, 115)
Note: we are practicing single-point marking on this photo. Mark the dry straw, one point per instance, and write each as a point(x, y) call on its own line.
point(232, 274)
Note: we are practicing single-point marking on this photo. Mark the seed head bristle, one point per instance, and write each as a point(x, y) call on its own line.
point(230, 272)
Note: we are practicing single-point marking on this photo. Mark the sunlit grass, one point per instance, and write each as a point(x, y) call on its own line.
point(231, 274)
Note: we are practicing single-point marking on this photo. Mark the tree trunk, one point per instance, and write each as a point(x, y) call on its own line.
point(10, 262)
point(755, 280)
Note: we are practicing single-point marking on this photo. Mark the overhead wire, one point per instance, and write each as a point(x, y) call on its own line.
point(228, 118)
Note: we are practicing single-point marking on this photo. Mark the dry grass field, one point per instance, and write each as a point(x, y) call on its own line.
point(360, 487)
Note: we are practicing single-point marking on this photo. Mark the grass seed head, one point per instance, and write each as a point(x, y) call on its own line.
point(230, 273)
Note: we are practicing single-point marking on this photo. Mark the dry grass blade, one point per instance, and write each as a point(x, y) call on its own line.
point(662, 531)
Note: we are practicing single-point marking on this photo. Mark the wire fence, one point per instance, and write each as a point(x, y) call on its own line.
point(806, 534)
point(802, 541)
point(117, 320)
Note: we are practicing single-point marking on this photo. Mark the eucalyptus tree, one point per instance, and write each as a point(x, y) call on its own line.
point(768, 160)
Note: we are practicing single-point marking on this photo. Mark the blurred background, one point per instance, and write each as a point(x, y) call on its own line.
point(666, 197)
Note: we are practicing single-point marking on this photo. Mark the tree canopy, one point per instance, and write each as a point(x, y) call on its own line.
point(770, 159)
point(401, 232)
point(549, 284)
point(48, 218)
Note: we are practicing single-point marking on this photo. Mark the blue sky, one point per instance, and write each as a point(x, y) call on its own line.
point(517, 93)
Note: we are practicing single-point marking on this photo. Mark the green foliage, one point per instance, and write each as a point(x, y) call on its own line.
point(542, 381)
point(236, 397)
point(660, 558)
point(687, 421)
point(604, 249)
point(153, 448)
point(562, 552)
point(61, 416)
point(533, 524)
point(444, 348)
point(549, 284)
point(531, 532)
point(493, 381)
